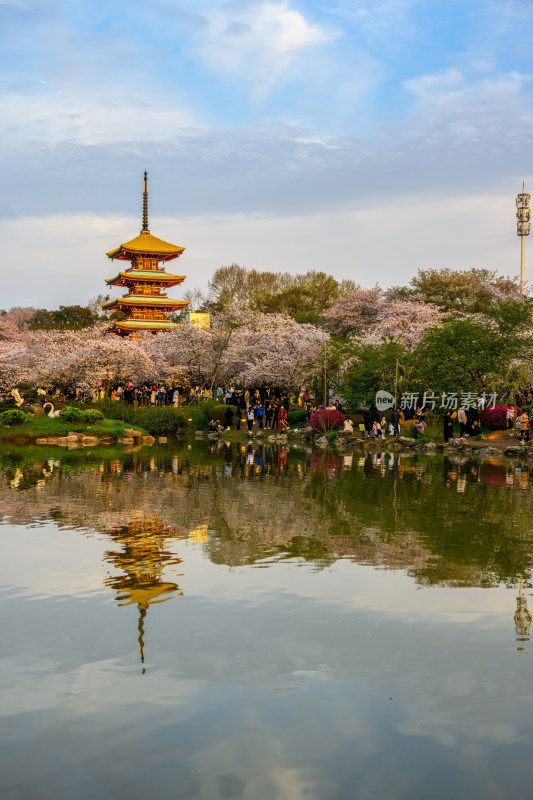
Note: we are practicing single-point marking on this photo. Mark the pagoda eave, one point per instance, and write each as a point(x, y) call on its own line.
point(130, 277)
point(146, 245)
point(129, 326)
point(137, 302)
point(123, 254)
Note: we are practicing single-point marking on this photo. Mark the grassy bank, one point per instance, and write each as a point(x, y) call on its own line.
point(41, 427)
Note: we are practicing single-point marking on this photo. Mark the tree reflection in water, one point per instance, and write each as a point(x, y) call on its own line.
point(449, 520)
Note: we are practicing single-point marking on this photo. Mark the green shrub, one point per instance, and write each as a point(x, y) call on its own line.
point(160, 421)
point(72, 414)
point(8, 402)
point(93, 415)
point(80, 415)
point(199, 419)
point(218, 412)
point(12, 417)
point(296, 417)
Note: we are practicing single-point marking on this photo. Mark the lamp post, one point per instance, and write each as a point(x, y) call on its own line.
point(523, 226)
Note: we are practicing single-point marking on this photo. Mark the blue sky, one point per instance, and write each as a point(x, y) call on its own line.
point(364, 138)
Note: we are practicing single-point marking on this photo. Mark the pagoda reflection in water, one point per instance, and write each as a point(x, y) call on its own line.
point(522, 619)
point(142, 560)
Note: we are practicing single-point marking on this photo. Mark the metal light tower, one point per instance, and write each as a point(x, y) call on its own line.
point(523, 226)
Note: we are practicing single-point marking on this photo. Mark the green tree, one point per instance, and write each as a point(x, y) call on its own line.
point(470, 290)
point(304, 297)
point(68, 317)
point(376, 367)
point(234, 285)
point(479, 352)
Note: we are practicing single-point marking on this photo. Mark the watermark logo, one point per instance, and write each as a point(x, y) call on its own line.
point(430, 401)
point(384, 400)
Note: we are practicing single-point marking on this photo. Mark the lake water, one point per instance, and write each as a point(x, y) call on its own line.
point(210, 622)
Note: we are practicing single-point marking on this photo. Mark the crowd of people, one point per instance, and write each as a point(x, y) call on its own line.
point(375, 425)
point(266, 407)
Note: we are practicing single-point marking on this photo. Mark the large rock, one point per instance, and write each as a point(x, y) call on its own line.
point(149, 440)
point(321, 441)
point(489, 451)
point(511, 451)
point(405, 441)
point(429, 447)
point(131, 434)
point(90, 441)
point(126, 440)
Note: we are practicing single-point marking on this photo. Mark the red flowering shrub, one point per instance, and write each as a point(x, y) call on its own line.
point(326, 420)
point(495, 419)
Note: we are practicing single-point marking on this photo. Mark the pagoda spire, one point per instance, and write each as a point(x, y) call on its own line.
point(145, 204)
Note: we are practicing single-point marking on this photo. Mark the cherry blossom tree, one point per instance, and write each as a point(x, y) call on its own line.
point(405, 321)
point(356, 313)
point(371, 316)
point(13, 323)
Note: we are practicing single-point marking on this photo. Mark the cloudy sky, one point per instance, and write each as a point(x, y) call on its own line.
point(367, 138)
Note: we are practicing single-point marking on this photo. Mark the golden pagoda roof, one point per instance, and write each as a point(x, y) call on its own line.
point(143, 275)
point(146, 300)
point(147, 244)
point(143, 325)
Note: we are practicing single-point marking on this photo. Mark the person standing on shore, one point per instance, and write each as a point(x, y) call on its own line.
point(250, 419)
point(228, 418)
point(395, 421)
point(448, 424)
point(461, 416)
point(523, 420)
point(368, 422)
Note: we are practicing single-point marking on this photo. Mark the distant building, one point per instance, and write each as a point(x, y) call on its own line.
point(200, 320)
point(146, 305)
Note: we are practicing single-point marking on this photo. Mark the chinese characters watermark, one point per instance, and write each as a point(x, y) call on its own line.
point(448, 400)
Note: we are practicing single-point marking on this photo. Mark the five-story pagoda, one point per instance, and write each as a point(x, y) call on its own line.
point(146, 305)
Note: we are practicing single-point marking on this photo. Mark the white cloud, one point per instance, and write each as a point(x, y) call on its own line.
point(427, 87)
point(450, 91)
point(260, 42)
point(65, 116)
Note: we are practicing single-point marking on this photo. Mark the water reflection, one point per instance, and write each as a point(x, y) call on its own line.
point(141, 563)
point(310, 621)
